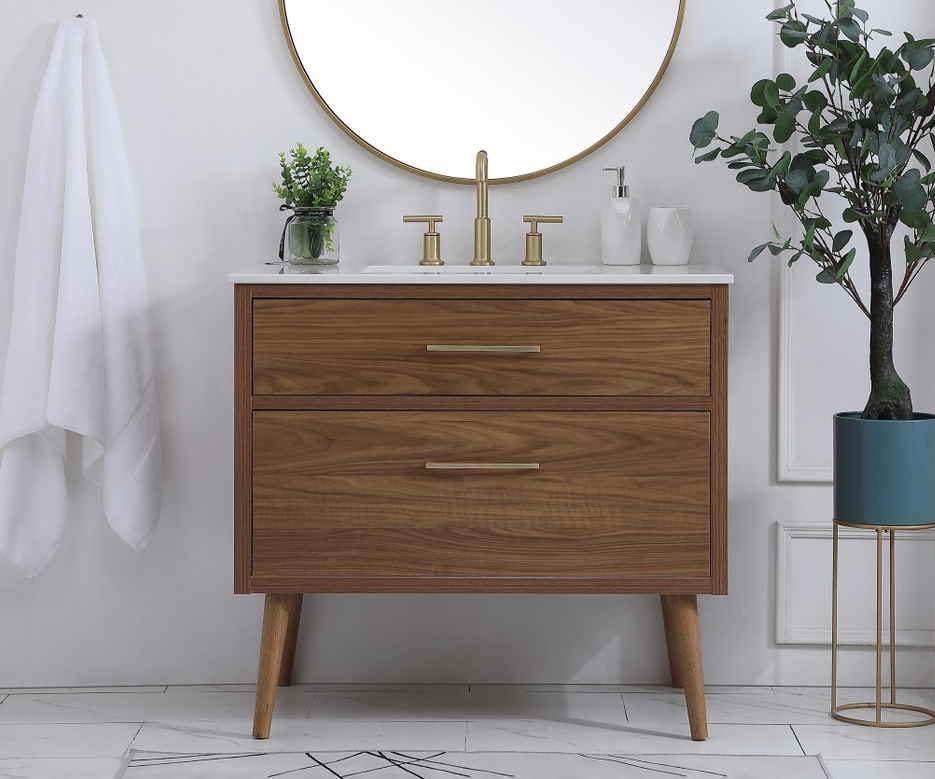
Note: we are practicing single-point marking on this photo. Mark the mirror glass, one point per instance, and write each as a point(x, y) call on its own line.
point(536, 83)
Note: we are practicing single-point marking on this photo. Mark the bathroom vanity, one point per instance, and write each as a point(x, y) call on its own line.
point(481, 431)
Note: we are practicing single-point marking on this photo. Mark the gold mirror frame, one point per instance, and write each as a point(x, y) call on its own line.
point(459, 180)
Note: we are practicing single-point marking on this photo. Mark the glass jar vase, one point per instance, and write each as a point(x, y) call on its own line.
point(312, 237)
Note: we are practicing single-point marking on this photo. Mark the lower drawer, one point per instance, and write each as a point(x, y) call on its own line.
point(349, 494)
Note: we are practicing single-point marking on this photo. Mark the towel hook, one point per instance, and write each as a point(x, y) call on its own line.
point(79, 16)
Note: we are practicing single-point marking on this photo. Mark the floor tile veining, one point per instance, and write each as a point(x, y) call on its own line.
point(754, 731)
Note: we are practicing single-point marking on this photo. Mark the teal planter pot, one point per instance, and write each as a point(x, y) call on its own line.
point(884, 470)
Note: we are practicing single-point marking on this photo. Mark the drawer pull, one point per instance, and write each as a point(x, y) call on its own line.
point(481, 348)
point(482, 466)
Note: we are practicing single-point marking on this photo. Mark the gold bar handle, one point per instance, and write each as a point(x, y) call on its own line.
point(481, 348)
point(482, 466)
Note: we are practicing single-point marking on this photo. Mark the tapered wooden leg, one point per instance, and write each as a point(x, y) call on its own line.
point(292, 637)
point(672, 642)
point(275, 627)
point(683, 612)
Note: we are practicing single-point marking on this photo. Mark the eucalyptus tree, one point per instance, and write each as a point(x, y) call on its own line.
point(864, 123)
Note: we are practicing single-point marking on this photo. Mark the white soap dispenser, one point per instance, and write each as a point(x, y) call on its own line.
point(621, 228)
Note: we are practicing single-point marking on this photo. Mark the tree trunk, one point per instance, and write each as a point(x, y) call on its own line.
point(889, 395)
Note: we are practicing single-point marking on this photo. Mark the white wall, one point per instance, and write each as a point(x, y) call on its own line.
point(208, 96)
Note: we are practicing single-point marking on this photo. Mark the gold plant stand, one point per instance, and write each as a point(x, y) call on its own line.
point(877, 706)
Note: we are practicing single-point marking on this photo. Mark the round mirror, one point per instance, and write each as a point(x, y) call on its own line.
point(538, 84)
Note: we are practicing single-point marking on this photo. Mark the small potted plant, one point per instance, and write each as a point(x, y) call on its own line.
point(864, 122)
point(311, 187)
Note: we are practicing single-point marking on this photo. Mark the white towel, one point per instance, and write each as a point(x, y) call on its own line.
point(81, 354)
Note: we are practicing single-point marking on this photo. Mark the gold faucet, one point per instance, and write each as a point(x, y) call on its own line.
point(482, 222)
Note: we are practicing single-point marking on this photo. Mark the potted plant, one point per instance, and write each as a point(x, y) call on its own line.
point(864, 122)
point(311, 187)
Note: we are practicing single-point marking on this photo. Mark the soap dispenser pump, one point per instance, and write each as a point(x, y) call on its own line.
point(621, 228)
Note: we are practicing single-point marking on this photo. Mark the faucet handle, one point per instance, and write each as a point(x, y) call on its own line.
point(534, 237)
point(431, 241)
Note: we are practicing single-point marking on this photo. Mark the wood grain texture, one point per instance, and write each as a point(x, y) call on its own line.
point(683, 610)
point(719, 319)
point(635, 584)
point(243, 437)
point(378, 347)
point(672, 642)
point(553, 291)
point(292, 637)
point(347, 493)
point(276, 613)
point(712, 402)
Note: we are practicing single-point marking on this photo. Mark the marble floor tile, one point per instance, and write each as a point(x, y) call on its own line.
point(607, 688)
point(821, 696)
point(299, 735)
point(331, 687)
point(753, 706)
point(879, 769)
point(775, 740)
point(66, 741)
point(62, 768)
point(858, 742)
point(470, 765)
point(177, 704)
point(459, 705)
point(763, 706)
point(59, 690)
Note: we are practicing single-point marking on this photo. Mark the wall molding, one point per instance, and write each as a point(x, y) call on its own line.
point(787, 467)
point(791, 628)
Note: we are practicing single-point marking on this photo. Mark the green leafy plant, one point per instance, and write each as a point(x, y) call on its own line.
point(310, 183)
point(861, 120)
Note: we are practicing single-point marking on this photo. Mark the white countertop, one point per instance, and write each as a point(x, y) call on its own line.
point(346, 273)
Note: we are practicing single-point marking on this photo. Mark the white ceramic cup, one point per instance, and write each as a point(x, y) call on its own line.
point(669, 235)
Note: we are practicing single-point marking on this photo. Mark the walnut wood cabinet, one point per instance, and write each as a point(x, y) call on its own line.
point(480, 439)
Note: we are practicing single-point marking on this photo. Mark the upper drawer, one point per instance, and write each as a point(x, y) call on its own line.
point(381, 347)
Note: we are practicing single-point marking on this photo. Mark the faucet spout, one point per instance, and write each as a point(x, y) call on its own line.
point(482, 222)
point(481, 177)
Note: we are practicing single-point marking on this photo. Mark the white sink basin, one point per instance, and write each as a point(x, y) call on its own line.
point(499, 270)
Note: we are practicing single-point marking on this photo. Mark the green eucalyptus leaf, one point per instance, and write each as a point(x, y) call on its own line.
point(909, 193)
point(887, 157)
point(704, 130)
point(842, 239)
point(826, 277)
point(917, 220)
point(757, 252)
point(850, 28)
point(785, 82)
point(771, 94)
point(793, 34)
point(708, 156)
point(781, 166)
point(842, 268)
point(917, 57)
point(908, 101)
point(796, 181)
point(758, 93)
point(785, 128)
point(815, 100)
point(912, 250)
point(857, 70)
point(763, 184)
point(822, 70)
